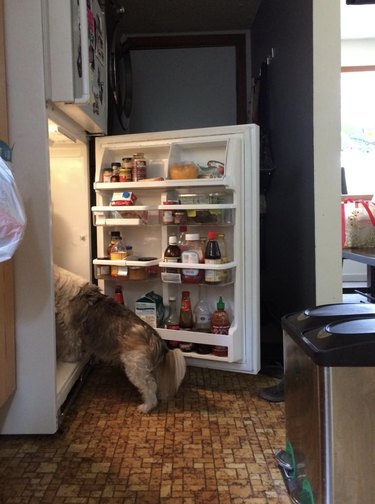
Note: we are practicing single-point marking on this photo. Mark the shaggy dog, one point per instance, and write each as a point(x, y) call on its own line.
point(88, 320)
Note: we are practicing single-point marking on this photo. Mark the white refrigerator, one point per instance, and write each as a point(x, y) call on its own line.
point(51, 164)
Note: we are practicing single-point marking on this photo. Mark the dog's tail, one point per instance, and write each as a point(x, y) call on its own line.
point(170, 373)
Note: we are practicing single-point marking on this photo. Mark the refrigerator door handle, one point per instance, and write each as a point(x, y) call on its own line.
point(84, 31)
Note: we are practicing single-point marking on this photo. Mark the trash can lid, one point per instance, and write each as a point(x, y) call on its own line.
point(321, 315)
point(342, 343)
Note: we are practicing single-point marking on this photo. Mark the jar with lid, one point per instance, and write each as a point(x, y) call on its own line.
point(115, 235)
point(167, 216)
point(126, 169)
point(192, 253)
point(115, 172)
point(107, 174)
point(139, 167)
point(118, 253)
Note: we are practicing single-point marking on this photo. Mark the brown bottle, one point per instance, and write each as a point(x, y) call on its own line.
point(172, 254)
point(186, 320)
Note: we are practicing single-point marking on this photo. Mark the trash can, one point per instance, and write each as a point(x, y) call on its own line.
point(329, 369)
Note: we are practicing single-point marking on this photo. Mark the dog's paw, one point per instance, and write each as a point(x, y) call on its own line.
point(146, 407)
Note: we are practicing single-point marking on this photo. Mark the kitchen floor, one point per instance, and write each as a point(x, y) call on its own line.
point(213, 444)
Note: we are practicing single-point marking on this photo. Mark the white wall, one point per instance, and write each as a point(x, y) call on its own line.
point(358, 52)
point(327, 147)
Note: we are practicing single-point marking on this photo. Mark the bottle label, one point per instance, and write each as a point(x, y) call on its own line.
point(185, 305)
point(220, 329)
point(212, 276)
point(174, 327)
point(192, 257)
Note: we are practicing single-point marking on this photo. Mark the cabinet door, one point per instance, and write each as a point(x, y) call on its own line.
point(7, 343)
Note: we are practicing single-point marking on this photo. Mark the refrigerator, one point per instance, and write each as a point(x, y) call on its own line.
point(52, 160)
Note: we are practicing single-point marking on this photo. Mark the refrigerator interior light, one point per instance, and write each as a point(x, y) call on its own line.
point(59, 134)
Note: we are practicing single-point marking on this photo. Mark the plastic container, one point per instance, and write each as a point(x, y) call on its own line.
point(192, 253)
point(118, 253)
point(202, 323)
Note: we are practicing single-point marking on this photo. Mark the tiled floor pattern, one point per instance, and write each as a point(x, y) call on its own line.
point(212, 445)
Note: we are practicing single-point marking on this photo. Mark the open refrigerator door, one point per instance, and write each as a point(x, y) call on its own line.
point(193, 182)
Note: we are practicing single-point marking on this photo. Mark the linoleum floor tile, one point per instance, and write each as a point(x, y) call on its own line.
point(213, 444)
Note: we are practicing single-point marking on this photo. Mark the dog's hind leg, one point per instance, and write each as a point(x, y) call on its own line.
point(137, 369)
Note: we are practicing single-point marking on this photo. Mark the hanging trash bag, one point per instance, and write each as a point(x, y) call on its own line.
point(12, 214)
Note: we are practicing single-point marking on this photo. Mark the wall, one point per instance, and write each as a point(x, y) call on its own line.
point(302, 261)
point(183, 88)
point(358, 52)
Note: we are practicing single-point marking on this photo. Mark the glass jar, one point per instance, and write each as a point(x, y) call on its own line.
point(139, 167)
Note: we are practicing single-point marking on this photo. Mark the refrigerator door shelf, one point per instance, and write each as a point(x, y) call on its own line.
point(114, 215)
point(126, 262)
point(226, 340)
point(224, 266)
point(160, 184)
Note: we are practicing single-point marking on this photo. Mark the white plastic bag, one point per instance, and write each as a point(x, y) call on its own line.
point(12, 214)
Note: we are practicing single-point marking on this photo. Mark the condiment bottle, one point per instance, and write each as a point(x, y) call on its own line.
point(118, 253)
point(126, 169)
point(173, 320)
point(220, 325)
point(107, 174)
point(192, 253)
point(186, 321)
point(212, 255)
point(202, 323)
point(172, 254)
point(118, 294)
point(139, 167)
point(225, 274)
point(115, 172)
point(115, 235)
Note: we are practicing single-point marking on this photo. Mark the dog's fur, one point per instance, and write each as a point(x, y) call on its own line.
point(88, 320)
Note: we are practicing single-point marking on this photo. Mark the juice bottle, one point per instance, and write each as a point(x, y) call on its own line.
point(220, 324)
point(115, 235)
point(118, 253)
